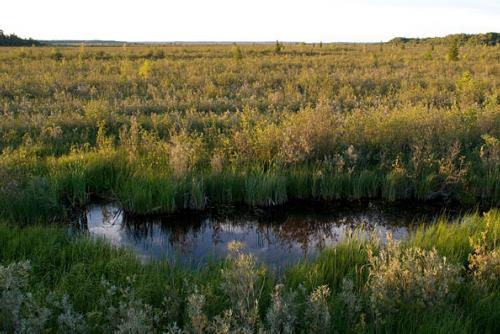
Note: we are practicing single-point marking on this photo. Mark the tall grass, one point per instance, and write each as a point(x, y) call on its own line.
point(72, 181)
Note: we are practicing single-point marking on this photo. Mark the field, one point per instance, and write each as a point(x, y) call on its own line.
point(162, 129)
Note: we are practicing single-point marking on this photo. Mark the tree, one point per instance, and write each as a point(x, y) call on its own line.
point(14, 40)
point(237, 55)
point(452, 54)
point(278, 47)
point(56, 54)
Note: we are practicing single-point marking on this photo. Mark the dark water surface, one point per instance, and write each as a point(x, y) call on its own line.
point(277, 237)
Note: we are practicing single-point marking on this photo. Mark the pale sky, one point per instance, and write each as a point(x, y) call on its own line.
point(249, 20)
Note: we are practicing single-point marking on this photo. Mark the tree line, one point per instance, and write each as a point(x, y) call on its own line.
point(490, 39)
point(14, 40)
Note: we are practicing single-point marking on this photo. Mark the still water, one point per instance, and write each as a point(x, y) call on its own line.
point(276, 238)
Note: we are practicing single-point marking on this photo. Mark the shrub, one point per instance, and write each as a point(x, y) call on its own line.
point(317, 316)
point(240, 283)
point(198, 321)
point(453, 52)
point(146, 69)
point(237, 54)
point(278, 47)
point(484, 262)
point(19, 312)
point(185, 153)
point(409, 277)
point(282, 314)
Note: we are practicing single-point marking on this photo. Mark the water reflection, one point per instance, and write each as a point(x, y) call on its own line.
point(275, 239)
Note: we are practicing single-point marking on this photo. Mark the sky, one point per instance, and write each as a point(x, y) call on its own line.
point(248, 20)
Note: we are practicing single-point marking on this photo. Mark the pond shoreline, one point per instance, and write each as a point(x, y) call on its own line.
point(451, 207)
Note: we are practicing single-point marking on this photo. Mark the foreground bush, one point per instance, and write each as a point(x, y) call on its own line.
point(411, 276)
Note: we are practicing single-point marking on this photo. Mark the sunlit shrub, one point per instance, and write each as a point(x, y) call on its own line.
point(307, 134)
point(97, 110)
point(240, 283)
point(484, 262)
point(237, 54)
point(185, 153)
point(146, 69)
point(409, 277)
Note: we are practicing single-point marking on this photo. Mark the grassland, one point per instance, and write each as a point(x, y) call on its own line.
point(174, 127)
point(166, 128)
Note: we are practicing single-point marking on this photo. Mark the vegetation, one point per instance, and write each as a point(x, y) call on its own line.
point(443, 279)
point(453, 52)
point(490, 38)
point(13, 40)
point(165, 128)
point(172, 127)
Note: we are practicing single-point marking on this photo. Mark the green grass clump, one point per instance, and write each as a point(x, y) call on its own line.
point(142, 193)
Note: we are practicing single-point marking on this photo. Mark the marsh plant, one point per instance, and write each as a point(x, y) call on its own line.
point(317, 313)
point(402, 276)
point(282, 315)
point(484, 261)
point(240, 283)
point(19, 311)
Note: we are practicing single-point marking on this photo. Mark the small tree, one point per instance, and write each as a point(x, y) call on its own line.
point(278, 47)
point(453, 52)
point(56, 54)
point(146, 69)
point(237, 54)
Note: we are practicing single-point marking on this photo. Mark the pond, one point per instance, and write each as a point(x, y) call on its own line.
point(275, 237)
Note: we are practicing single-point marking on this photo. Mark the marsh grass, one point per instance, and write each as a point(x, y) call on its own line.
point(143, 193)
point(340, 122)
point(454, 241)
point(357, 286)
point(225, 187)
point(71, 183)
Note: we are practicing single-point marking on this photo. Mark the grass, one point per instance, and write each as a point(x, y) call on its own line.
point(65, 263)
point(454, 241)
point(73, 180)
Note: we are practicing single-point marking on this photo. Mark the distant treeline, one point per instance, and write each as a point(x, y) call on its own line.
point(14, 40)
point(491, 38)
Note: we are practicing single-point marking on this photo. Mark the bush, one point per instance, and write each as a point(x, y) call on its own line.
point(410, 277)
point(452, 54)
